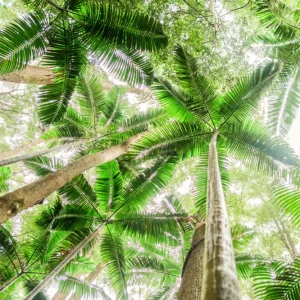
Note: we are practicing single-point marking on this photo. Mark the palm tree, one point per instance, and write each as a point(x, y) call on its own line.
point(204, 122)
point(67, 36)
point(100, 124)
point(110, 210)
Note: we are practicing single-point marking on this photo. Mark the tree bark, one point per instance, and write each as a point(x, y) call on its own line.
point(66, 260)
point(30, 75)
point(42, 152)
point(27, 196)
point(43, 76)
point(192, 273)
point(220, 278)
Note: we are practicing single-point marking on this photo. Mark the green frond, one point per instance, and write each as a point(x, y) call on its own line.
point(108, 186)
point(5, 174)
point(112, 108)
point(163, 293)
point(284, 104)
point(278, 17)
point(188, 139)
point(288, 198)
point(253, 144)
point(152, 227)
point(194, 84)
point(67, 56)
point(108, 25)
point(245, 264)
point(112, 253)
point(243, 99)
point(140, 190)
point(80, 289)
point(176, 102)
point(140, 123)
point(127, 65)
point(73, 125)
point(91, 98)
point(43, 165)
point(80, 265)
point(241, 236)
point(22, 41)
point(277, 281)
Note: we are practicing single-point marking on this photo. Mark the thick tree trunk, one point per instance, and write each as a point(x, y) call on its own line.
point(220, 278)
point(192, 273)
point(42, 152)
point(42, 76)
point(27, 196)
point(66, 260)
point(30, 75)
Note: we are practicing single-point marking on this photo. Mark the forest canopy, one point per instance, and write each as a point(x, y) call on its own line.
point(149, 149)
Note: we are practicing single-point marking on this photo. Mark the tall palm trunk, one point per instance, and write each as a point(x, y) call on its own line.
point(66, 260)
point(27, 196)
point(220, 278)
point(42, 152)
point(192, 273)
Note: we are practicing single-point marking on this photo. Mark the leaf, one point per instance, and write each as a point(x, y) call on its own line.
point(5, 174)
point(107, 25)
point(67, 56)
point(22, 41)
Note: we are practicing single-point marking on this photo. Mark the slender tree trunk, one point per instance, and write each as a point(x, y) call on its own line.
point(42, 76)
point(18, 150)
point(42, 152)
point(220, 278)
point(192, 273)
point(27, 196)
point(66, 260)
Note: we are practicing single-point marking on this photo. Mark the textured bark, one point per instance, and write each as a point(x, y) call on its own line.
point(42, 152)
point(42, 76)
point(46, 281)
point(192, 273)
point(220, 278)
point(29, 195)
point(30, 75)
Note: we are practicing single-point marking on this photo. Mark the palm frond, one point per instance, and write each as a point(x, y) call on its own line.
point(108, 186)
point(91, 98)
point(283, 106)
point(107, 25)
point(245, 264)
point(188, 139)
point(141, 189)
point(125, 64)
point(67, 56)
point(252, 143)
point(242, 100)
point(288, 198)
point(82, 290)
point(241, 236)
point(278, 17)
point(195, 84)
point(22, 41)
point(112, 253)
